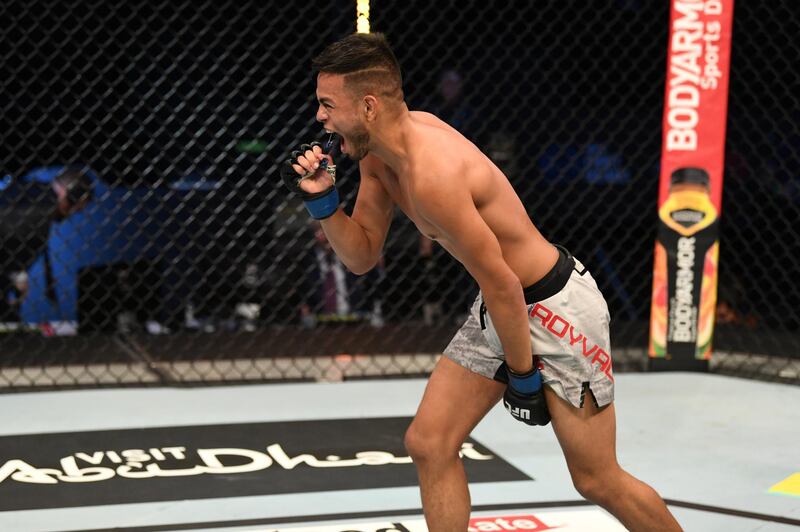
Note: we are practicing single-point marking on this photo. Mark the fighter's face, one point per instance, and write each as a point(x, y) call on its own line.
point(339, 112)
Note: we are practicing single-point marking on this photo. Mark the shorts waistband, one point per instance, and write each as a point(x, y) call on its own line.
point(554, 280)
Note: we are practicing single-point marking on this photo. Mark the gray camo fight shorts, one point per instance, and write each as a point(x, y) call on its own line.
point(569, 335)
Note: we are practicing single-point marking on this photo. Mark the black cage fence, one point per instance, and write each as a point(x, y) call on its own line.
point(191, 263)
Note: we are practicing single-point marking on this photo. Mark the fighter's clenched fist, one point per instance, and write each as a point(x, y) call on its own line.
point(310, 173)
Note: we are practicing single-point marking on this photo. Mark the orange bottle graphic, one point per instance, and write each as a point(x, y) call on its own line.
point(684, 281)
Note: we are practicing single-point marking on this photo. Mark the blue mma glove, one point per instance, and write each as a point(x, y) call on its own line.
point(524, 398)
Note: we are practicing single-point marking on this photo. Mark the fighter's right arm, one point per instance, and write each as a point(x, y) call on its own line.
point(358, 239)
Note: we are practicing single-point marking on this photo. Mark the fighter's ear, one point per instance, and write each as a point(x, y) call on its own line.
point(370, 107)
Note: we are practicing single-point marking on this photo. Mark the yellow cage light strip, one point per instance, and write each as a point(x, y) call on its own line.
point(362, 16)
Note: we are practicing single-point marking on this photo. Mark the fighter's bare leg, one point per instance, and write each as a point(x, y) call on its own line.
point(588, 440)
point(455, 400)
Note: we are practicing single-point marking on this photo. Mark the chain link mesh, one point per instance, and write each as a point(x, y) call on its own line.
point(759, 251)
point(193, 264)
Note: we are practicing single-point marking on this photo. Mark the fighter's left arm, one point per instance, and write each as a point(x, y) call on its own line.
point(462, 231)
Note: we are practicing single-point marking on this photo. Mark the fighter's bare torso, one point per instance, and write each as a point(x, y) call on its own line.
point(431, 141)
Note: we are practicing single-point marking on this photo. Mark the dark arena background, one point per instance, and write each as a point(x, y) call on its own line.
point(192, 265)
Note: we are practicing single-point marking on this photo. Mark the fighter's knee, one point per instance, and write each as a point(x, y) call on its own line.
point(424, 445)
point(418, 444)
point(595, 486)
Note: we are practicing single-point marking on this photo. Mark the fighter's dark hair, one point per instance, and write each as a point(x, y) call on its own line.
point(367, 62)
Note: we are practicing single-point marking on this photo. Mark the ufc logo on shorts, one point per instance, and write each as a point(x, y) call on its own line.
point(560, 327)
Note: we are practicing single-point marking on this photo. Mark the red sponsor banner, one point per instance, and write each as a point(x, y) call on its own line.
point(508, 522)
point(690, 192)
point(595, 520)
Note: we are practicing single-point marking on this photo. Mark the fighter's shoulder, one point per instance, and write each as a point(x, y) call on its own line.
point(426, 118)
point(433, 171)
point(432, 128)
point(440, 151)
